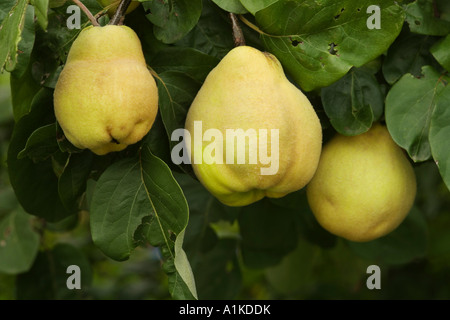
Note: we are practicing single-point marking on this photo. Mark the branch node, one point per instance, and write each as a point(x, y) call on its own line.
point(120, 12)
point(238, 35)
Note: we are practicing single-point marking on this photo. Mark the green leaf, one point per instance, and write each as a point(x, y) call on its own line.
point(47, 279)
point(354, 102)
point(158, 141)
point(403, 245)
point(176, 93)
point(118, 206)
point(171, 216)
point(307, 224)
point(5, 8)
point(268, 233)
point(410, 105)
point(441, 51)
point(35, 185)
point(213, 257)
point(19, 243)
point(26, 43)
point(254, 6)
point(408, 54)
point(423, 17)
point(173, 19)
point(233, 6)
point(440, 133)
point(72, 182)
point(138, 200)
point(190, 62)
point(41, 8)
point(212, 34)
point(23, 90)
point(318, 42)
point(10, 35)
point(41, 144)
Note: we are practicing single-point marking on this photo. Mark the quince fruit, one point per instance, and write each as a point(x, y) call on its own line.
point(105, 98)
point(266, 135)
point(364, 186)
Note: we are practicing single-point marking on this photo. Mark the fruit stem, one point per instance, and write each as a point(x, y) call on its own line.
point(120, 12)
point(238, 35)
point(87, 12)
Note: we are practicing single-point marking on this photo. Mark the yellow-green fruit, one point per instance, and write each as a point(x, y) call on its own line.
point(364, 186)
point(113, 4)
point(105, 98)
point(248, 90)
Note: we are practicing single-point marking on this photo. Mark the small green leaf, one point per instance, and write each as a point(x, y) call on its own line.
point(319, 41)
point(423, 17)
point(254, 6)
point(41, 144)
point(23, 90)
point(190, 62)
point(41, 8)
point(176, 93)
point(158, 141)
point(410, 105)
point(404, 244)
point(35, 185)
point(307, 224)
point(10, 35)
point(268, 233)
point(233, 6)
point(72, 181)
point(171, 213)
point(441, 51)
point(173, 19)
point(19, 243)
point(119, 204)
point(5, 8)
point(354, 102)
point(408, 54)
point(440, 133)
point(26, 43)
point(212, 34)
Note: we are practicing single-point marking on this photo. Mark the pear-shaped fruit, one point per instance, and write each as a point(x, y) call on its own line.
point(261, 135)
point(364, 186)
point(105, 98)
point(113, 4)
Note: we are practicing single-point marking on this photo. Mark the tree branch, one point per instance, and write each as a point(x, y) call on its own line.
point(120, 12)
point(87, 12)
